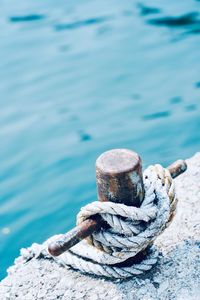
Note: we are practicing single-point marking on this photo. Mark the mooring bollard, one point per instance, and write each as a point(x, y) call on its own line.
point(119, 180)
point(119, 177)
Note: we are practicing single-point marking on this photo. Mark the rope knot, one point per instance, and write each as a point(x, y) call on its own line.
point(132, 229)
point(128, 231)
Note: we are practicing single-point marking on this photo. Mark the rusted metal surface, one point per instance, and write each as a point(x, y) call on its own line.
point(119, 177)
point(111, 192)
point(177, 168)
point(75, 235)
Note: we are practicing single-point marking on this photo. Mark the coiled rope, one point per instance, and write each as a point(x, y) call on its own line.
point(130, 231)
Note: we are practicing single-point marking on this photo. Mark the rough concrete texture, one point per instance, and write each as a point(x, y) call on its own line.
point(176, 275)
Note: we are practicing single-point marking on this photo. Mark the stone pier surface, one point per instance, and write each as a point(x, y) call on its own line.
point(176, 275)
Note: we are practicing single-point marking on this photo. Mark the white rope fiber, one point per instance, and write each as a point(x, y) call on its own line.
point(131, 230)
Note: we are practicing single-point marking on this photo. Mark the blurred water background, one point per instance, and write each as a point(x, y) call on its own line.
point(81, 77)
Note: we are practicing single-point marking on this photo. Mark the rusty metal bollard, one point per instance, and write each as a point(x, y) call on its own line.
point(119, 177)
point(119, 180)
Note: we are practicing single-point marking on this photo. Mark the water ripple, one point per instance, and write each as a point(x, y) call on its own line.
point(176, 100)
point(191, 107)
point(179, 21)
point(81, 23)
point(84, 136)
point(26, 18)
point(147, 10)
point(197, 84)
point(157, 115)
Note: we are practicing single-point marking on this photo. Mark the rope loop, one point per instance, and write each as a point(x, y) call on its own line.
point(131, 230)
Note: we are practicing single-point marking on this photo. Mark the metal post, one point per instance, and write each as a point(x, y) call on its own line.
point(119, 177)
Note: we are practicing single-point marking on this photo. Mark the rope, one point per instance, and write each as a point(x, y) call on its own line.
point(131, 230)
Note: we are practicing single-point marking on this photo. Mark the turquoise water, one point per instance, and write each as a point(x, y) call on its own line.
point(81, 77)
